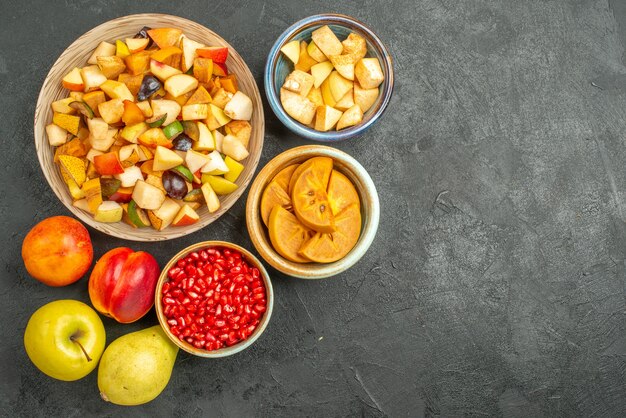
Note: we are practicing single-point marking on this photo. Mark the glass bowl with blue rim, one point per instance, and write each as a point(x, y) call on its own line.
point(278, 68)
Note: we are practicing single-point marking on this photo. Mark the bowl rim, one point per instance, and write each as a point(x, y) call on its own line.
point(39, 131)
point(297, 127)
point(225, 351)
point(255, 225)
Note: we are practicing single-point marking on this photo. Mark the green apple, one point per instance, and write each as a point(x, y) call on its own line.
point(65, 339)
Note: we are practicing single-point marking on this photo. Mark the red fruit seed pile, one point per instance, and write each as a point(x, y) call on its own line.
point(214, 298)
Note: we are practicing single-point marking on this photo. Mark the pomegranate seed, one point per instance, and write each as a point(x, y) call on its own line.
point(214, 298)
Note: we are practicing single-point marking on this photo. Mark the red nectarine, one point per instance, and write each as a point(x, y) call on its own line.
point(57, 251)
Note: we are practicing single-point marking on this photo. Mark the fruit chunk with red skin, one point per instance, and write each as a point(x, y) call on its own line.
point(108, 164)
point(122, 284)
point(218, 54)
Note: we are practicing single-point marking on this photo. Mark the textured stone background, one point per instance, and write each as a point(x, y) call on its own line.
point(495, 286)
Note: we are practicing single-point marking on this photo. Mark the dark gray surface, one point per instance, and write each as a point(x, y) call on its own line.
point(495, 286)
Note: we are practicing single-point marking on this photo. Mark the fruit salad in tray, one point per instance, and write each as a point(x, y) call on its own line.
point(333, 82)
point(153, 128)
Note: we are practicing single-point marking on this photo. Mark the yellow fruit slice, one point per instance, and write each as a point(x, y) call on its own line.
point(341, 192)
point(284, 176)
point(326, 248)
point(309, 196)
point(273, 195)
point(287, 234)
point(220, 185)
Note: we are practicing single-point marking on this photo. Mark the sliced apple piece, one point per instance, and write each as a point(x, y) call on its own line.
point(162, 217)
point(205, 140)
point(56, 135)
point(298, 107)
point(234, 169)
point(185, 216)
point(189, 48)
point(210, 197)
point(164, 159)
point(137, 44)
point(292, 51)
point(365, 98)
point(369, 73)
point(219, 184)
point(218, 137)
point(117, 90)
point(108, 211)
point(198, 111)
point(92, 77)
point(74, 80)
point(217, 118)
point(350, 117)
point(166, 107)
point(81, 204)
point(104, 49)
point(103, 144)
point(63, 106)
point(195, 160)
point(327, 41)
point(320, 72)
point(326, 117)
point(215, 165)
point(147, 196)
point(239, 107)
point(314, 52)
point(218, 54)
point(153, 138)
point(130, 176)
point(132, 132)
point(299, 82)
point(165, 37)
point(232, 147)
point(111, 111)
point(162, 71)
point(180, 84)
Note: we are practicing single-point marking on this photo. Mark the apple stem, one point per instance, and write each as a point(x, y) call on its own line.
point(74, 340)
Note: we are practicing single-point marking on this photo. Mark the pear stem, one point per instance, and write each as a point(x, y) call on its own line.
point(74, 340)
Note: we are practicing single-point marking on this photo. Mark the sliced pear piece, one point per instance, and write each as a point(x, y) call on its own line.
point(292, 51)
point(344, 64)
point(326, 117)
point(211, 199)
point(298, 107)
point(354, 45)
point(327, 41)
point(109, 211)
point(320, 72)
point(147, 196)
point(369, 73)
point(350, 117)
point(299, 82)
point(365, 98)
point(239, 107)
point(232, 147)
